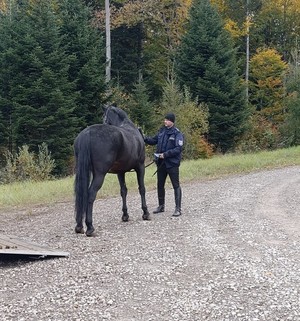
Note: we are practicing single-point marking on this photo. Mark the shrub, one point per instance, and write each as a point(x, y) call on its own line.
point(261, 135)
point(191, 119)
point(25, 165)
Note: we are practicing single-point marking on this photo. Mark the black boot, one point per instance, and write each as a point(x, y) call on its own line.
point(161, 202)
point(177, 193)
point(160, 209)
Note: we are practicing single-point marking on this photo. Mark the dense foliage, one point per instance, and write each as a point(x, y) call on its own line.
point(51, 76)
point(206, 63)
point(228, 69)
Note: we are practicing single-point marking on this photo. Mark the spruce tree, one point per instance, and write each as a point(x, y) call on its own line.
point(291, 128)
point(52, 75)
point(206, 63)
point(141, 110)
point(126, 61)
point(8, 62)
point(40, 93)
point(87, 71)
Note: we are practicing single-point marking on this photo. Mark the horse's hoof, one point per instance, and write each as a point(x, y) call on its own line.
point(89, 232)
point(79, 229)
point(146, 217)
point(125, 218)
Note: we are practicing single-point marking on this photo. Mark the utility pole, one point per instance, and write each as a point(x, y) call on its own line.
point(108, 40)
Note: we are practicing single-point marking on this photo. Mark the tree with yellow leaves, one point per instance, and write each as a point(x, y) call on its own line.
point(267, 91)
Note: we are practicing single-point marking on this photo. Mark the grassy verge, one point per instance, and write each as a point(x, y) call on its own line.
point(31, 193)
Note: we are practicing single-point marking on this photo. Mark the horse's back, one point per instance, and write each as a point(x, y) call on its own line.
point(112, 149)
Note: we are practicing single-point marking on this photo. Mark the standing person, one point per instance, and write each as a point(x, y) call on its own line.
point(169, 141)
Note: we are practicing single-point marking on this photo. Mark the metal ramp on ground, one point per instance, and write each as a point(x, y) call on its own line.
point(11, 245)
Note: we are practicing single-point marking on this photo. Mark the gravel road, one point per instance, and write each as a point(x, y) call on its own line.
point(233, 255)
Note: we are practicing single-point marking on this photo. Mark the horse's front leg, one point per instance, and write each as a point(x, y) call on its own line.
point(140, 173)
point(96, 184)
point(123, 191)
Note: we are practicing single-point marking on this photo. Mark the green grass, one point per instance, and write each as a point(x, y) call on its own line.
point(49, 192)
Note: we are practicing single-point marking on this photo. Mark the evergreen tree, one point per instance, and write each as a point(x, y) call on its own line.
point(126, 56)
point(87, 70)
point(206, 64)
point(40, 97)
point(141, 111)
point(2, 136)
point(52, 75)
point(8, 62)
point(291, 128)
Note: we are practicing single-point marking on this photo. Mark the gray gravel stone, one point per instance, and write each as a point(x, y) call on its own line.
point(234, 254)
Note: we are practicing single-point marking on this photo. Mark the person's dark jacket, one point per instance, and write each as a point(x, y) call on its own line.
point(169, 141)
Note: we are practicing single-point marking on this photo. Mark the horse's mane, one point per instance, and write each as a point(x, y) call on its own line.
point(121, 113)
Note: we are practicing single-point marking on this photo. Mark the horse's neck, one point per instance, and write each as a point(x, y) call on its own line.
point(127, 123)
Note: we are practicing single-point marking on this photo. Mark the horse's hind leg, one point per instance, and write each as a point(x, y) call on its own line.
point(79, 228)
point(140, 173)
point(123, 190)
point(96, 184)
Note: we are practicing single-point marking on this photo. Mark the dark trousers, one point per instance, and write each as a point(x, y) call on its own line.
point(162, 173)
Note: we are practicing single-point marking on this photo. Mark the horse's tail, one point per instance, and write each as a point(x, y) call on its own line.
point(82, 176)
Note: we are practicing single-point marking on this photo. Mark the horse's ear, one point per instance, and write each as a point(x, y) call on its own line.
point(104, 107)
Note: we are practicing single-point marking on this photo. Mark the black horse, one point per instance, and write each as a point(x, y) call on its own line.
point(117, 147)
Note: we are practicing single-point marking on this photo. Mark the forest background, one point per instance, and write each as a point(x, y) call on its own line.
point(228, 69)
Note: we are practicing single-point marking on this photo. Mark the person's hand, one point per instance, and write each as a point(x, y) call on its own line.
point(161, 156)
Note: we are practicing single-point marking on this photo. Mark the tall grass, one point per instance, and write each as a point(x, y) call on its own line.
point(47, 192)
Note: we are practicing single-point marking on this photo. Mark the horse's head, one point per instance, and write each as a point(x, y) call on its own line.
point(114, 116)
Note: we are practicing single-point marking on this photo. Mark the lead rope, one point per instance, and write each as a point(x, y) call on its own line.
point(158, 167)
point(149, 164)
point(141, 132)
point(145, 167)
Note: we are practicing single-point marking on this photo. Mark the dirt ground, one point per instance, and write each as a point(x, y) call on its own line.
point(234, 254)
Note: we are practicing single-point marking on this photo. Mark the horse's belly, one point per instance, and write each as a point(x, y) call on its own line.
point(119, 167)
